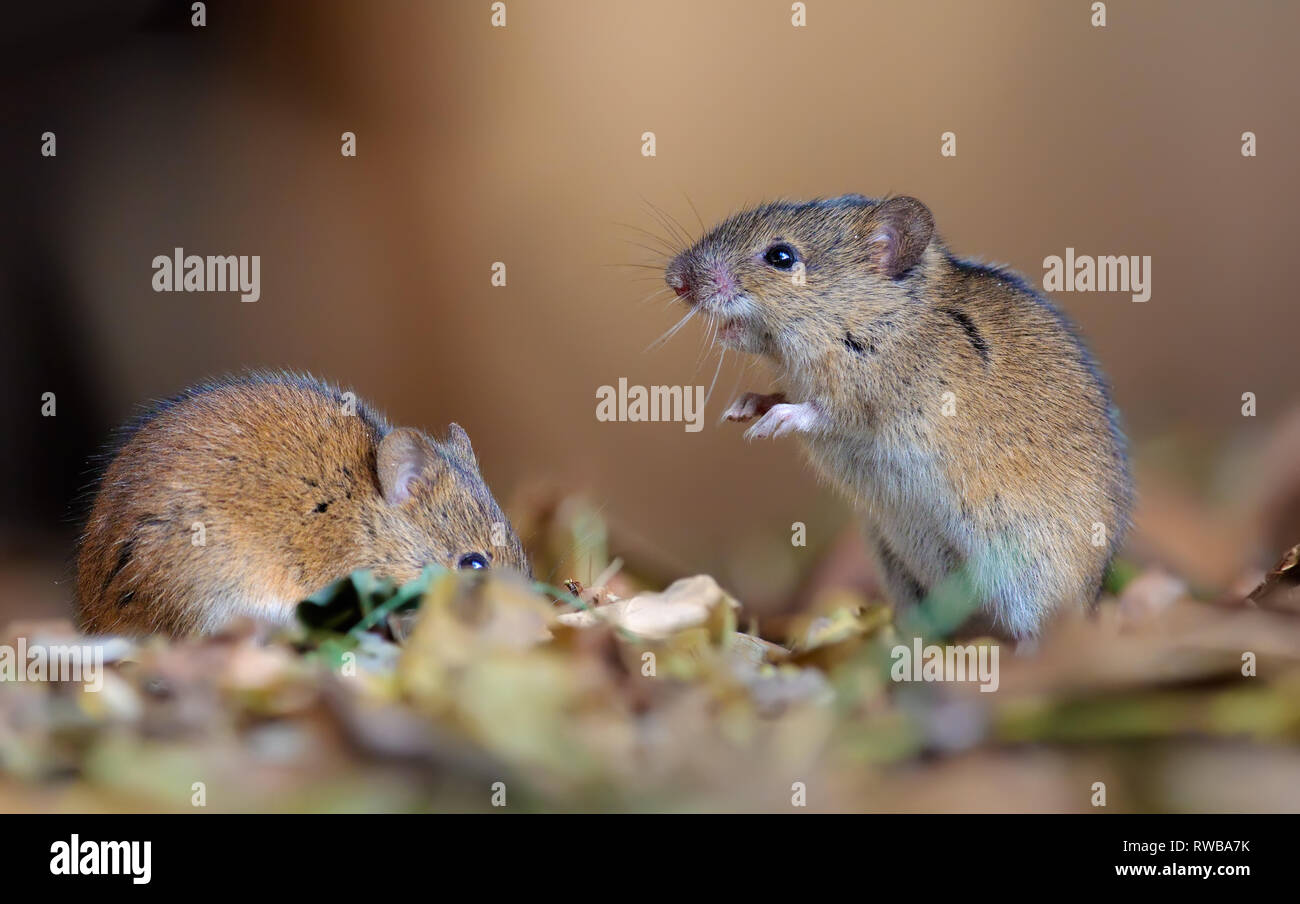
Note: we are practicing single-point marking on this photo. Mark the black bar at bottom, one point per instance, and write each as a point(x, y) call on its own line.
point(215, 853)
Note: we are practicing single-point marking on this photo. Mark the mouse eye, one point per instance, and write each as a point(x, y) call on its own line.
point(473, 560)
point(781, 256)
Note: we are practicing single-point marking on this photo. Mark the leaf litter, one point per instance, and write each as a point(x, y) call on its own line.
point(459, 689)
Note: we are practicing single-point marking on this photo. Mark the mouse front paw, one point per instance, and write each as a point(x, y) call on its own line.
point(751, 405)
point(781, 419)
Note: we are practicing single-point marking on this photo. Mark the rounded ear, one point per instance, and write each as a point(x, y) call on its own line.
point(404, 457)
point(900, 229)
point(458, 441)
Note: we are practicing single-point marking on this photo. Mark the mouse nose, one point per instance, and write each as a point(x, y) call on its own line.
point(676, 279)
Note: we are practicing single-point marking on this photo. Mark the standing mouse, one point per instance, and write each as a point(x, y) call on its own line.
point(242, 497)
point(953, 404)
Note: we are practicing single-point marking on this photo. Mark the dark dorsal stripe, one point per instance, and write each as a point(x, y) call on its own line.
point(972, 333)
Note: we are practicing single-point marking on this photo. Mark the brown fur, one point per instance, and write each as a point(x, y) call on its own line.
point(887, 322)
point(292, 493)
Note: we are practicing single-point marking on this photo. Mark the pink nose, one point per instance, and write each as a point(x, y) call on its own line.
point(683, 289)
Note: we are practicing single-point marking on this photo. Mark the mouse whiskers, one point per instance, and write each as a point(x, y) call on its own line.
point(710, 338)
point(656, 296)
point(722, 356)
point(662, 255)
point(665, 248)
point(672, 331)
point(671, 225)
point(698, 218)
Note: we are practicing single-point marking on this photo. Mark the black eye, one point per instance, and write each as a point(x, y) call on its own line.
point(781, 256)
point(473, 560)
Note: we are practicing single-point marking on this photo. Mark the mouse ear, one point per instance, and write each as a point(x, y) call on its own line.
point(900, 230)
point(458, 441)
point(404, 457)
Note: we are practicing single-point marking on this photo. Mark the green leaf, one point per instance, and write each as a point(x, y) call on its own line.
point(360, 601)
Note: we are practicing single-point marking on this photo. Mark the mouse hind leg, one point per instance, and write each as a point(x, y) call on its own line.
point(957, 605)
point(904, 589)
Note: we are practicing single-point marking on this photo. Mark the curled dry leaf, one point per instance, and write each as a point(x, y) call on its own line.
point(687, 603)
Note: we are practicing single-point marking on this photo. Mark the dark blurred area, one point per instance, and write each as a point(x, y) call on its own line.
point(522, 145)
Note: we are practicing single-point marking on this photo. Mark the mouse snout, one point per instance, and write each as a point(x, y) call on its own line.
point(699, 281)
point(677, 282)
point(675, 276)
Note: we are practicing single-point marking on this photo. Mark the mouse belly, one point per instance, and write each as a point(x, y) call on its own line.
point(906, 506)
point(920, 537)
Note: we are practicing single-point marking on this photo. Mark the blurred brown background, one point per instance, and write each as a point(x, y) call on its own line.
point(522, 144)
